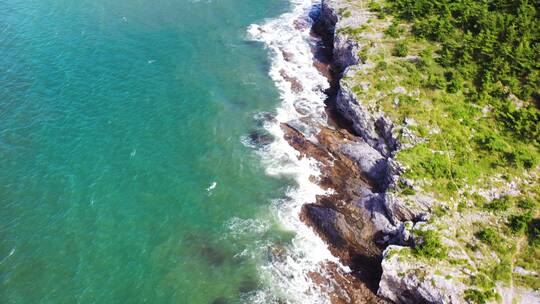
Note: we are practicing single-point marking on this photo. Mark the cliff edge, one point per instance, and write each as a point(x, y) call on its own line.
point(405, 239)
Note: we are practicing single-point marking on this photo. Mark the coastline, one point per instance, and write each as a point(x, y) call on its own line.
point(341, 177)
point(368, 214)
point(289, 40)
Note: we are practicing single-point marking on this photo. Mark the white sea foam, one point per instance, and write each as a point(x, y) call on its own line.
point(211, 187)
point(11, 252)
point(289, 43)
point(239, 227)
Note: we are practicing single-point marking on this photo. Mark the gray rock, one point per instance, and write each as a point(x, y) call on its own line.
point(370, 207)
point(415, 210)
point(345, 52)
point(344, 234)
point(369, 160)
point(374, 220)
point(374, 128)
point(412, 282)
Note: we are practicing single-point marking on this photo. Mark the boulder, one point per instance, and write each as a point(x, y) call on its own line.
point(412, 281)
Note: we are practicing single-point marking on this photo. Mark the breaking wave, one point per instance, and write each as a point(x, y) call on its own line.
point(301, 85)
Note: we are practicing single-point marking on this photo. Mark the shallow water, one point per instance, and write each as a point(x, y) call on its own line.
point(123, 177)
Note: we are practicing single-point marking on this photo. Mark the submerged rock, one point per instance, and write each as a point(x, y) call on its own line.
point(248, 284)
point(220, 301)
point(296, 85)
point(212, 255)
point(263, 117)
point(260, 138)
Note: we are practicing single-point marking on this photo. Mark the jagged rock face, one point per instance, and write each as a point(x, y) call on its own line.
point(357, 231)
point(348, 239)
point(343, 287)
point(403, 281)
point(325, 24)
point(374, 128)
point(353, 220)
point(345, 52)
point(400, 211)
point(361, 218)
point(369, 160)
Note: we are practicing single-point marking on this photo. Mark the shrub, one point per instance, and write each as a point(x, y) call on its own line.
point(489, 236)
point(502, 271)
point(521, 158)
point(454, 86)
point(454, 82)
point(352, 31)
point(479, 297)
point(378, 8)
point(408, 191)
point(422, 130)
point(464, 112)
point(534, 233)
point(436, 81)
point(401, 49)
point(499, 204)
point(427, 57)
point(526, 203)
point(393, 31)
point(519, 223)
point(491, 142)
point(478, 199)
point(524, 122)
point(382, 66)
point(438, 166)
point(482, 281)
point(461, 206)
point(406, 99)
point(343, 12)
point(430, 245)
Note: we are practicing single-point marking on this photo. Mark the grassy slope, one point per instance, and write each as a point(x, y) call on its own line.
point(465, 158)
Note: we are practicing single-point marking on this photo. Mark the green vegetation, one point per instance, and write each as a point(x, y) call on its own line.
point(520, 223)
point(429, 245)
point(401, 49)
point(344, 13)
point(467, 74)
point(489, 236)
point(378, 8)
point(495, 240)
point(494, 43)
point(354, 32)
point(526, 203)
point(479, 132)
point(394, 30)
point(480, 297)
point(499, 204)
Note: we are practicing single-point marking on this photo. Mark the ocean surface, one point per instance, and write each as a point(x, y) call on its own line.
point(139, 155)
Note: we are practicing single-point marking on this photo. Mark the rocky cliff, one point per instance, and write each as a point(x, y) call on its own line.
point(362, 221)
point(417, 230)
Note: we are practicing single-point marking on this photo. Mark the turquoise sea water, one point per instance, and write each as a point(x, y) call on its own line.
point(116, 117)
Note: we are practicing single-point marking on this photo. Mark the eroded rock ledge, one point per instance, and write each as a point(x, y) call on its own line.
point(361, 219)
point(372, 213)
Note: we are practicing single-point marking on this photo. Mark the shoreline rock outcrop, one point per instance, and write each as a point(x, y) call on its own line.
point(371, 215)
point(360, 219)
